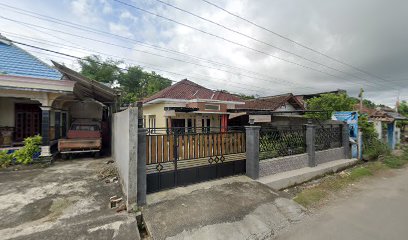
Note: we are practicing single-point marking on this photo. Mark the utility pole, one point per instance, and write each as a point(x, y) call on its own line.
point(361, 99)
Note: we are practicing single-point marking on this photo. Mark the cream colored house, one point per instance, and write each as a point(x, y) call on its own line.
point(190, 106)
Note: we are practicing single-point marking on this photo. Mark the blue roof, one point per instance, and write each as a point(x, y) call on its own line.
point(15, 61)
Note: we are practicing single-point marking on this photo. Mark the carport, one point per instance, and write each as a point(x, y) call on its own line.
point(69, 106)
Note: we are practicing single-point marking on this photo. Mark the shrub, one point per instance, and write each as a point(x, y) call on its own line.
point(5, 159)
point(31, 146)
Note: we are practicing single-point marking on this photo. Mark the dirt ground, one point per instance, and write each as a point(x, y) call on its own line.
point(63, 201)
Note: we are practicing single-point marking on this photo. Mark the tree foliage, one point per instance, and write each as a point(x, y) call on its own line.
point(330, 102)
point(403, 110)
point(95, 68)
point(134, 82)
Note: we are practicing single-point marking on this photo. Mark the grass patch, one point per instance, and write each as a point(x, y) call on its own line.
point(358, 173)
point(395, 162)
point(310, 197)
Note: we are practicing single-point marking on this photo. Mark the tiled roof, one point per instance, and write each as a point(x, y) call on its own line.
point(188, 90)
point(365, 109)
point(15, 61)
point(271, 103)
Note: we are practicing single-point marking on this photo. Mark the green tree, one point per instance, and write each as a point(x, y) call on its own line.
point(403, 110)
point(95, 68)
point(134, 82)
point(329, 102)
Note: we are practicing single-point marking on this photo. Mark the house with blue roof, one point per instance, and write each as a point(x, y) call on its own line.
point(35, 98)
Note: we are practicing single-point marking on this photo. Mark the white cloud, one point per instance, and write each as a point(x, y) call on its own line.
point(127, 15)
point(369, 38)
point(120, 29)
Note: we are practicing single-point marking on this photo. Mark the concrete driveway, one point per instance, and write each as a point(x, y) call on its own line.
point(64, 201)
point(232, 208)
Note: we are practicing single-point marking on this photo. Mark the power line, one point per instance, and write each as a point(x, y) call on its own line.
point(255, 39)
point(155, 54)
point(156, 47)
point(293, 41)
point(79, 58)
point(235, 43)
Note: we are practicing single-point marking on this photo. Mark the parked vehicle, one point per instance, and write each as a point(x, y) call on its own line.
point(85, 133)
point(83, 136)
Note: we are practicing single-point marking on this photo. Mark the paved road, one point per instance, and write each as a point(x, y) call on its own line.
point(377, 210)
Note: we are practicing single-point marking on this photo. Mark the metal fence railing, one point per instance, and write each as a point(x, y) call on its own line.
point(280, 142)
point(328, 136)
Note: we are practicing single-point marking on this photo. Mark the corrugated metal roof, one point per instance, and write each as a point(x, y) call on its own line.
point(15, 61)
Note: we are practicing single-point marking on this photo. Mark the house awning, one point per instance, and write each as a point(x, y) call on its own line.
point(86, 88)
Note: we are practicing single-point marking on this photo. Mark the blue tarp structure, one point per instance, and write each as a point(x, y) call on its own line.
point(351, 118)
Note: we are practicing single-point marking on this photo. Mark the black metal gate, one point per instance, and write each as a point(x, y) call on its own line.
point(181, 157)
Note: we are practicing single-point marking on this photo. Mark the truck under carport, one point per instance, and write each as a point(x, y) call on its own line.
point(90, 101)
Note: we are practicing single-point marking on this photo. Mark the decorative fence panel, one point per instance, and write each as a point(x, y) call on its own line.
point(328, 137)
point(180, 157)
point(160, 147)
point(280, 142)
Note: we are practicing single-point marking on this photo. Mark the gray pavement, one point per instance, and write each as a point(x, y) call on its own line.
point(232, 208)
point(378, 209)
point(64, 201)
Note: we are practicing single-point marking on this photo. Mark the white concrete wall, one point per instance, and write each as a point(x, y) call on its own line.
point(378, 128)
point(124, 151)
point(397, 135)
point(6, 112)
point(286, 107)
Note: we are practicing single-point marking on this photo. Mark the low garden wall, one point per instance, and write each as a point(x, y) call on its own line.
point(282, 164)
point(329, 155)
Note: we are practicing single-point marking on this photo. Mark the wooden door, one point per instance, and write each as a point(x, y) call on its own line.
point(27, 121)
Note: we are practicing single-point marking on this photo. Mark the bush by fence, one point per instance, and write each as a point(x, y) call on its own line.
point(274, 142)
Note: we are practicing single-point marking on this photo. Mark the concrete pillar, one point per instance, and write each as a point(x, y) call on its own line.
point(45, 131)
point(391, 138)
point(346, 140)
point(360, 145)
point(141, 167)
point(141, 156)
point(311, 144)
point(378, 128)
point(133, 158)
point(252, 151)
point(57, 124)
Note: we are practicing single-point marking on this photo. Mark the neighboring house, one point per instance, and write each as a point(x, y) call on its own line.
point(364, 110)
point(261, 109)
point(303, 98)
point(188, 105)
point(388, 117)
point(35, 98)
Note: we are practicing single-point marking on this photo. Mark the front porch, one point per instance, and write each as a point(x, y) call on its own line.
point(188, 120)
point(26, 114)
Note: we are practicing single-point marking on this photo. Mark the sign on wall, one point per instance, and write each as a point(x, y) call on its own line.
point(351, 118)
point(260, 118)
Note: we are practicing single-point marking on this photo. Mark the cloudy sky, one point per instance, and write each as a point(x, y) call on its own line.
point(365, 41)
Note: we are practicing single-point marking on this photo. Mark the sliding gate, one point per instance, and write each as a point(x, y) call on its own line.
point(181, 157)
